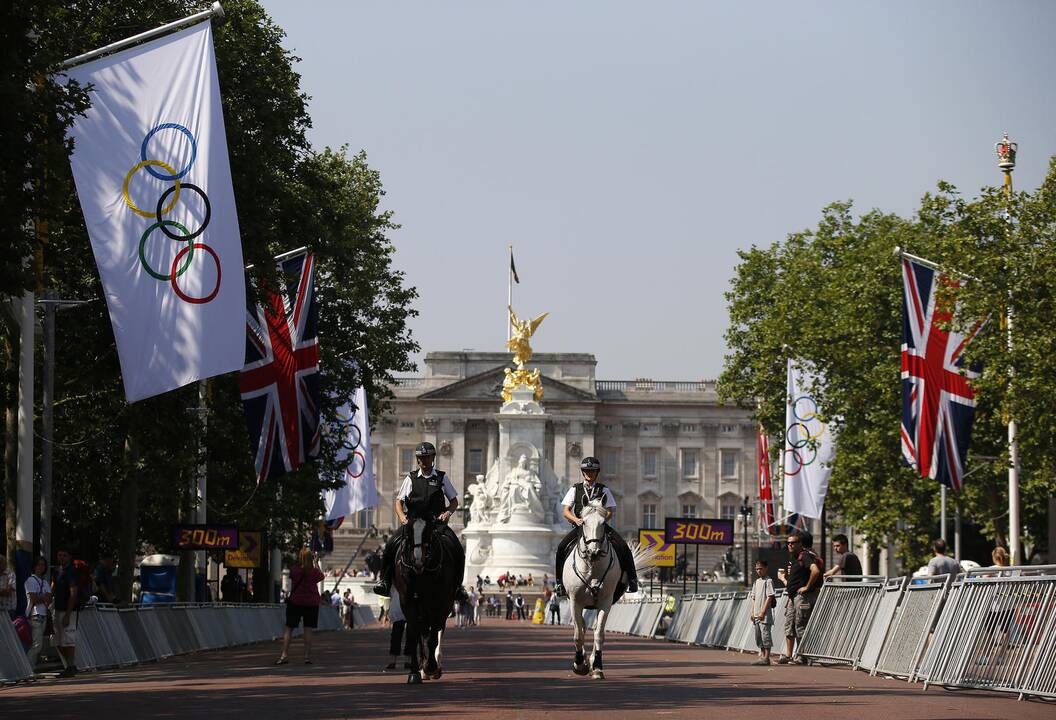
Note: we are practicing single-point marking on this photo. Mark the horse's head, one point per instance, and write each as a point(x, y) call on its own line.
point(594, 515)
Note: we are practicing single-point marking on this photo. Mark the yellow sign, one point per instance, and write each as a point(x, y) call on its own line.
point(248, 554)
point(654, 539)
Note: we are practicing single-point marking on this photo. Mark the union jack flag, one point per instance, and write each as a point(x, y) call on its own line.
point(766, 490)
point(280, 380)
point(938, 404)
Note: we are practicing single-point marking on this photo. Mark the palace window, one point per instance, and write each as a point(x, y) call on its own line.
point(610, 463)
point(728, 463)
point(649, 463)
point(476, 461)
point(365, 518)
point(649, 515)
point(689, 510)
point(406, 424)
point(406, 460)
point(690, 464)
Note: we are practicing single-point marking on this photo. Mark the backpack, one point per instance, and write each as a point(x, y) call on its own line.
point(84, 583)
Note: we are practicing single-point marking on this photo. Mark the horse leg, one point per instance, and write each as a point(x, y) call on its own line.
point(579, 667)
point(414, 641)
point(596, 670)
point(437, 654)
point(432, 666)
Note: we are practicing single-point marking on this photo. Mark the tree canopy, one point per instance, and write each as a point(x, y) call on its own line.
point(113, 461)
point(832, 295)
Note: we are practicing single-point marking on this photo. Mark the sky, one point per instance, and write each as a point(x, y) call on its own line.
point(628, 150)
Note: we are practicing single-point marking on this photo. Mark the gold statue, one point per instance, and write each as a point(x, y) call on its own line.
point(522, 353)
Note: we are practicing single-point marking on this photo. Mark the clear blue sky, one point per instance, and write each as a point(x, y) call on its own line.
point(628, 149)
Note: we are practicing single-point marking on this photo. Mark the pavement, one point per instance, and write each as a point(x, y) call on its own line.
point(497, 670)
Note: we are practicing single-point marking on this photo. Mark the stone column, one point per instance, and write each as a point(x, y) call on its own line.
point(561, 450)
point(458, 465)
point(588, 427)
point(493, 444)
point(429, 426)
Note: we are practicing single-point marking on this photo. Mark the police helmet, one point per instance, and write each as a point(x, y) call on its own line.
point(590, 463)
point(425, 448)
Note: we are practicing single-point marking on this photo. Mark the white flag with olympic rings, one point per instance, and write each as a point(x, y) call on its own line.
point(359, 491)
point(154, 183)
point(809, 447)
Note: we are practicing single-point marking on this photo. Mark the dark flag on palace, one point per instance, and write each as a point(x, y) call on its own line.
point(280, 380)
point(938, 403)
point(513, 269)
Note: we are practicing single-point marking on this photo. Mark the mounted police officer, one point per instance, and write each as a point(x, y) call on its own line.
point(428, 494)
point(579, 495)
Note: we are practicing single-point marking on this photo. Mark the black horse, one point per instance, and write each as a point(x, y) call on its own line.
point(424, 577)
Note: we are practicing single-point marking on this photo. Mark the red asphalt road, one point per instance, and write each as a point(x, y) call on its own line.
point(497, 670)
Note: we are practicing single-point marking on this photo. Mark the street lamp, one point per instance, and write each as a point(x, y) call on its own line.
point(746, 515)
point(1006, 161)
point(466, 500)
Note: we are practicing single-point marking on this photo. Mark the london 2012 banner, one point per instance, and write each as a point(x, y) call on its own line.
point(152, 174)
point(359, 491)
point(810, 447)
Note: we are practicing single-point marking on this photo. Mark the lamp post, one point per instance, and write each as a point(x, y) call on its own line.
point(746, 515)
point(1006, 161)
point(466, 500)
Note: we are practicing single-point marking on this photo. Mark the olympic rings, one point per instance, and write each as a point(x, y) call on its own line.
point(128, 178)
point(161, 211)
point(143, 241)
point(352, 430)
point(176, 288)
point(362, 465)
point(808, 416)
point(173, 175)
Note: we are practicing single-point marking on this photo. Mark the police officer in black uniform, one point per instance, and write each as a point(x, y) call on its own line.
point(578, 496)
point(426, 493)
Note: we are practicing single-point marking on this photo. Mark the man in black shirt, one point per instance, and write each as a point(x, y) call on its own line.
point(847, 563)
point(802, 582)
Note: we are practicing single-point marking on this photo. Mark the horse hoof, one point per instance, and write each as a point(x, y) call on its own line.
point(438, 674)
point(597, 675)
point(414, 679)
point(580, 669)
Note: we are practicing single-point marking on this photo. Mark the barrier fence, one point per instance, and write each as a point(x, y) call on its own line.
point(109, 637)
point(991, 628)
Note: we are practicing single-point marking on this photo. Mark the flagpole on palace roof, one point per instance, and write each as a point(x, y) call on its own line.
point(1006, 160)
point(509, 294)
point(214, 10)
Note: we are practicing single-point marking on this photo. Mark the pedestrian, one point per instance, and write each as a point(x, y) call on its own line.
point(509, 604)
point(231, 586)
point(396, 637)
point(801, 591)
point(103, 580)
point(474, 607)
point(942, 564)
point(521, 615)
point(303, 604)
point(8, 589)
point(761, 601)
point(383, 609)
point(555, 609)
point(67, 603)
point(845, 562)
point(349, 606)
point(38, 598)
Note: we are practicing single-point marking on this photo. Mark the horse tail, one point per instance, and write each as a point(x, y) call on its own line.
point(644, 557)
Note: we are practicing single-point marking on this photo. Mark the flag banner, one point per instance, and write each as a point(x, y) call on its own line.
point(766, 491)
point(938, 403)
point(358, 492)
point(280, 381)
point(809, 447)
point(151, 169)
point(513, 269)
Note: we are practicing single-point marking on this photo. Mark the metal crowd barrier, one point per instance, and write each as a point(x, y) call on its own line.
point(635, 617)
point(997, 632)
point(882, 616)
point(909, 631)
point(14, 665)
point(842, 617)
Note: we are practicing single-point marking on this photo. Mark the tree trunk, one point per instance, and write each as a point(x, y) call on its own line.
point(129, 509)
point(11, 345)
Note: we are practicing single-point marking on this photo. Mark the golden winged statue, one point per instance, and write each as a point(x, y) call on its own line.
point(522, 352)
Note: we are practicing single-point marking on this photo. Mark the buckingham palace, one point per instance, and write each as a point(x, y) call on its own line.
point(667, 448)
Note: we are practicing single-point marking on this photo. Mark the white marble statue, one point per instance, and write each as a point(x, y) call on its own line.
point(520, 493)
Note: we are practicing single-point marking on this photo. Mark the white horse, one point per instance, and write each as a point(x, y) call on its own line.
point(590, 575)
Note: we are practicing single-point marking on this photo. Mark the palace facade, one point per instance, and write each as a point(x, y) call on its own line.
point(667, 449)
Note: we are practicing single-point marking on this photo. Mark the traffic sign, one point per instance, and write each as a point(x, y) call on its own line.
point(698, 531)
point(248, 554)
point(654, 540)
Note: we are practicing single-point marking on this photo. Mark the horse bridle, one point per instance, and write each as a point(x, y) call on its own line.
point(411, 546)
point(586, 558)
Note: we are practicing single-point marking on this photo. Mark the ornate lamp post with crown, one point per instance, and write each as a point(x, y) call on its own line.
point(1006, 161)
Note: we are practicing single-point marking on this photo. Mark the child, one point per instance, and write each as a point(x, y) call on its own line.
point(761, 601)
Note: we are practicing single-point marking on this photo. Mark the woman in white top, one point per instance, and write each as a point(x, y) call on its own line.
point(38, 597)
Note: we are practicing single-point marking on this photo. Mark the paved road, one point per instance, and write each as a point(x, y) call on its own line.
point(498, 670)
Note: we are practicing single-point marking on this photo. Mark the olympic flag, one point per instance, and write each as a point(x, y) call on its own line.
point(359, 491)
point(152, 174)
point(809, 448)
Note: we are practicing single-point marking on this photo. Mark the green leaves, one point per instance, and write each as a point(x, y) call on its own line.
point(832, 296)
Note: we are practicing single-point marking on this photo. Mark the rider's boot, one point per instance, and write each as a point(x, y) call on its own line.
point(384, 583)
point(632, 581)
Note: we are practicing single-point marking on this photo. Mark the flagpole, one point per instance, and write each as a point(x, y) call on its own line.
point(509, 293)
point(214, 10)
point(1006, 160)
